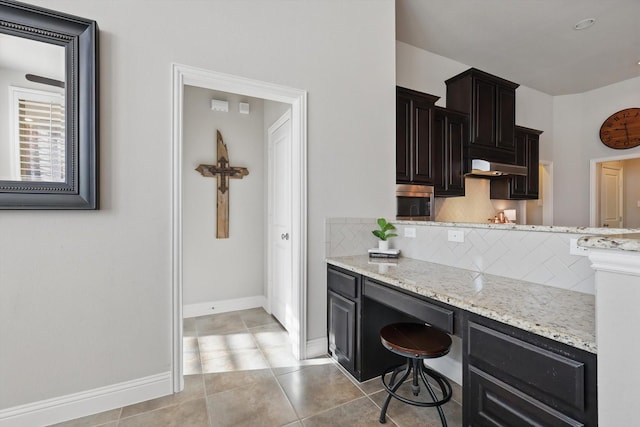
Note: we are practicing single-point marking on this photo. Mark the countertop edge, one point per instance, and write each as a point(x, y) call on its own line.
point(625, 242)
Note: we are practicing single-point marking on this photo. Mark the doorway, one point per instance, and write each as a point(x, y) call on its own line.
point(607, 177)
point(184, 75)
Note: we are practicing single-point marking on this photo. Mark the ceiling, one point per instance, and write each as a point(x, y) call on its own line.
point(530, 42)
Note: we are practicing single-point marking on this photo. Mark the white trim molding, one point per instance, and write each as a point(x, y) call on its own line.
point(223, 306)
point(317, 347)
point(89, 402)
point(185, 75)
point(617, 299)
point(615, 261)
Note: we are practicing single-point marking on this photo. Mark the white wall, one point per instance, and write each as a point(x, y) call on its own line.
point(220, 269)
point(86, 296)
point(577, 121)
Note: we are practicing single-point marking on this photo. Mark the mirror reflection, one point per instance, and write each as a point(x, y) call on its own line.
point(32, 110)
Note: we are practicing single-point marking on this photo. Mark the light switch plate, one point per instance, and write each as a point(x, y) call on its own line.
point(456, 236)
point(409, 232)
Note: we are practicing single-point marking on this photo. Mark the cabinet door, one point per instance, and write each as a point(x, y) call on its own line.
point(438, 137)
point(533, 161)
point(484, 113)
point(449, 134)
point(519, 183)
point(505, 118)
point(455, 139)
point(342, 317)
point(403, 137)
point(423, 150)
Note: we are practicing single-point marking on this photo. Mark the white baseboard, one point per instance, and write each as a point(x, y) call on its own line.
point(317, 347)
point(72, 406)
point(223, 306)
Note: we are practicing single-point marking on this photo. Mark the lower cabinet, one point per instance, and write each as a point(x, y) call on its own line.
point(342, 322)
point(343, 296)
point(514, 378)
point(511, 377)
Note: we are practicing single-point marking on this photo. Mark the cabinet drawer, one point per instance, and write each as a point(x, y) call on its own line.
point(342, 283)
point(498, 404)
point(432, 314)
point(546, 375)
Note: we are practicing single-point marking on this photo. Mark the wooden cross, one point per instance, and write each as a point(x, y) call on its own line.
point(222, 171)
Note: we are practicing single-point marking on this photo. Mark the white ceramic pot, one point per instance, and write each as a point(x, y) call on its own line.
point(383, 245)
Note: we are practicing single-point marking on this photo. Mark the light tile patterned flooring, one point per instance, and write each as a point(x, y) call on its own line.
point(239, 371)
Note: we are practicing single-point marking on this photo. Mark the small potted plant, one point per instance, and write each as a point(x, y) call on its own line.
point(384, 233)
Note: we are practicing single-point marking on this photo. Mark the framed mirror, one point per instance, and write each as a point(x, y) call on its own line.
point(48, 109)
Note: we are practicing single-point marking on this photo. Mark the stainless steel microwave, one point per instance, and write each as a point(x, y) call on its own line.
point(415, 202)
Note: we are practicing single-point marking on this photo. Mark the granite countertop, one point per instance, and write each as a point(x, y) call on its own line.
point(625, 242)
point(561, 315)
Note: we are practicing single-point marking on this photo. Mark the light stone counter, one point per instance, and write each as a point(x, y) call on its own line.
point(625, 242)
point(524, 227)
point(561, 315)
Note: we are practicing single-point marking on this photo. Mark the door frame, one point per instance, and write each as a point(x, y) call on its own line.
point(593, 183)
point(185, 75)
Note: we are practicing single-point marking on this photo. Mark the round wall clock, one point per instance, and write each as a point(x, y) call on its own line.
point(622, 129)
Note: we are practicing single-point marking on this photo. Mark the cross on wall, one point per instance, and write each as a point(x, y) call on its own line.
point(223, 172)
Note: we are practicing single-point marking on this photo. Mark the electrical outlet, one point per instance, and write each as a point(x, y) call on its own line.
point(409, 232)
point(456, 236)
point(574, 249)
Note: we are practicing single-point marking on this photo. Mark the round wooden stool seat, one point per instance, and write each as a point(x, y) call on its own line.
point(415, 340)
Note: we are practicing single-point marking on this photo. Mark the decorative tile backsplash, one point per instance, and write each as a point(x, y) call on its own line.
point(534, 256)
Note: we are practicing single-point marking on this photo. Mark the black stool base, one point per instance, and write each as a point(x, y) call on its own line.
point(420, 372)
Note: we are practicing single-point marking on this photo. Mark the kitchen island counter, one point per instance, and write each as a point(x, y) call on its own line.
point(558, 314)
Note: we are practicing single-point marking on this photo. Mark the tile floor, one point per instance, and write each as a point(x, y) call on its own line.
point(239, 371)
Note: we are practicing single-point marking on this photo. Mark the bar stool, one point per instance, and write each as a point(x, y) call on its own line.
point(416, 342)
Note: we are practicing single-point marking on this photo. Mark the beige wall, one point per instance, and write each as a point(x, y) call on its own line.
point(632, 193)
point(85, 297)
point(220, 269)
point(577, 121)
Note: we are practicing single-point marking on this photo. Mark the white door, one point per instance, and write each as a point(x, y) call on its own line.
point(280, 257)
point(610, 195)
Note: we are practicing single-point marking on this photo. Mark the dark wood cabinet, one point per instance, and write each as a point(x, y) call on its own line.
point(343, 297)
point(449, 130)
point(358, 307)
point(527, 147)
point(491, 103)
point(414, 150)
point(513, 377)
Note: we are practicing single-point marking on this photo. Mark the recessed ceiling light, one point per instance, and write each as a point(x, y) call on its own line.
point(584, 24)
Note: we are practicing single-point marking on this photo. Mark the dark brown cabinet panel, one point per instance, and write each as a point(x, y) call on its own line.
point(490, 101)
point(343, 298)
point(414, 151)
point(342, 317)
point(497, 404)
point(518, 378)
point(527, 147)
point(449, 133)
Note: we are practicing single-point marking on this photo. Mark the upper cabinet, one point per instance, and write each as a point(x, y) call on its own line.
point(490, 102)
point(527, 147)
point(449, 130)
point(414, 151)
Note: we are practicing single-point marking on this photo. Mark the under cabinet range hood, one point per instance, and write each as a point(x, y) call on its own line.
point(484, 168)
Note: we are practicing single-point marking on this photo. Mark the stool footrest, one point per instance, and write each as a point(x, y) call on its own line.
point(443, 383)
